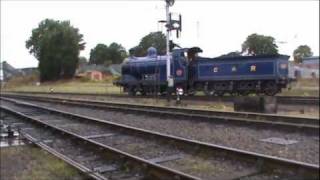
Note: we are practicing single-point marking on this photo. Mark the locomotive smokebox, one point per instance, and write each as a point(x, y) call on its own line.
point(259, 104)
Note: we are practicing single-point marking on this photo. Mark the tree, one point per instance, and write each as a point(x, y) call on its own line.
point(138, 51)
point(82, 60)
point(154, 39)
point(256, 44)
point(103, 54)
point(99, 54)
point(117, 53)
point(301, 52)
point(56, 45)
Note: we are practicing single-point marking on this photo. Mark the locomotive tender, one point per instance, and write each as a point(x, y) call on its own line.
point(265, 74)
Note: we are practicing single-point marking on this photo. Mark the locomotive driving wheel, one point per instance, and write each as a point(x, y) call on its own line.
point(271, 88)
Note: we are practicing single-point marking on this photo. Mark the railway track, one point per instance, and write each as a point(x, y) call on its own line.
point(27, 138)
point(94, 158)
point(258, 119)
point(223, 162)
point(290, 100)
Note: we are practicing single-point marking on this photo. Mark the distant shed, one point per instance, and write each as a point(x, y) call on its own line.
point(95, 75)
point(98, 72)
point(310, 67)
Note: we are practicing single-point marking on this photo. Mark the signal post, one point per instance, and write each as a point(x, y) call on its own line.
point(170, 25)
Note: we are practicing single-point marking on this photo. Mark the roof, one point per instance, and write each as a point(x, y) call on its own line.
point(248, 57)
point(310, 58)
point(114, 69)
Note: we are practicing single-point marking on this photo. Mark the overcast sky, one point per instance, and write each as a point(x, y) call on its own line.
point(218, 27)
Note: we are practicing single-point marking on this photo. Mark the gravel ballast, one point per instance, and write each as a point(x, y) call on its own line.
point(306, 149)
point(311, 111)
point(199, 165)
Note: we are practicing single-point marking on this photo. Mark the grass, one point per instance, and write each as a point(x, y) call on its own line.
point(303, 87)
point(198, 166)
point(300, 92)
point(74, 85)
point(29, 162)
point(70, 87)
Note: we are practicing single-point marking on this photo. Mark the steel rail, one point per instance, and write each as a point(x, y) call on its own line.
point(153, 169)
point(290, 100)
point(64, 158)
point(311, 125)
point(263, 161)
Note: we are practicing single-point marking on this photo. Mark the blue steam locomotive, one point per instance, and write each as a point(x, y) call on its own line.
point(242, 75)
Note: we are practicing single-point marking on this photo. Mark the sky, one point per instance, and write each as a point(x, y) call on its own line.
point(217, 26)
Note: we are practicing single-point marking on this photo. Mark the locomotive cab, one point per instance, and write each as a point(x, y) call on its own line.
point(192, 55)
point(184, 66)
